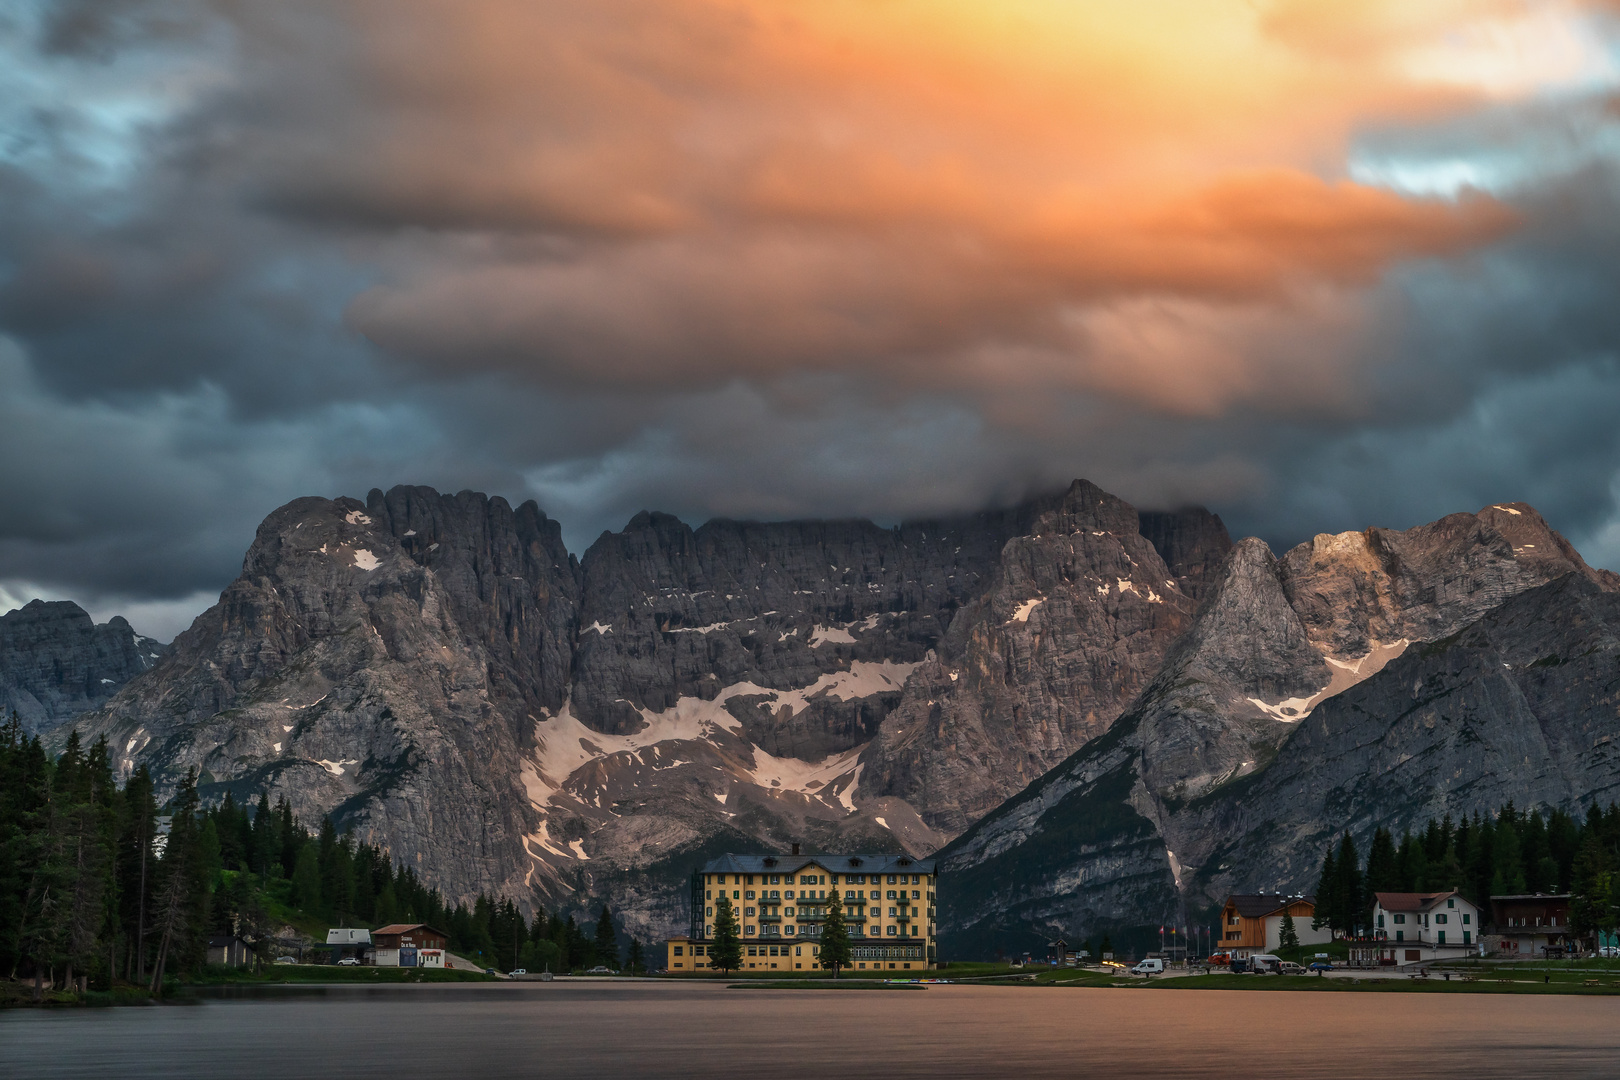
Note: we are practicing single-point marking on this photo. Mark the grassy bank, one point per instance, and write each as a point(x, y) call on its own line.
point(820, 984)
point(1484, 983)
point(332, 974)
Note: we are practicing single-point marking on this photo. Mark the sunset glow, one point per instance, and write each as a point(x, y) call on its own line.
point(866, 256)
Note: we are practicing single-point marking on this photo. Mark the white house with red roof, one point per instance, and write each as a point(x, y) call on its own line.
point(1413, 928)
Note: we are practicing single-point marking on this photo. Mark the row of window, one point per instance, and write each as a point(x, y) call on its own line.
point(756, 950)
point(1440, 919)
point(814, 879)
point(815, 931)
point(814, 894)
point(857, 911)
point(908, 953)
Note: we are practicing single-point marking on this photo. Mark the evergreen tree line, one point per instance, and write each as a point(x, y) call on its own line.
point(99, 882)
point(1511, 852)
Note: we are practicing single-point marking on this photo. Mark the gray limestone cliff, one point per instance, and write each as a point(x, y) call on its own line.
point(1214, 780)
point(440, 675)
point(1095, 708)
point(56, 662)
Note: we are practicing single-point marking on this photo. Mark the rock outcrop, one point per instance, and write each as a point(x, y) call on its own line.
point(56, 663)
point(346, 671)
point(1198, 790)
point(1077, 619)
point(1104, 710)
point(439, 674)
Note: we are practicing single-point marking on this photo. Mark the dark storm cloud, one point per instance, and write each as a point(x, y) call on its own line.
point(727, 259)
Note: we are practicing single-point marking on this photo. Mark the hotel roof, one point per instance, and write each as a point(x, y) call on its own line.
point(834, 864)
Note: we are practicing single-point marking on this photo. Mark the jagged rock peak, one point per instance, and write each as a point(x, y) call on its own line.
point(1192, 541)
point(55, 662)
point(1085, 506)
point(1360, 590)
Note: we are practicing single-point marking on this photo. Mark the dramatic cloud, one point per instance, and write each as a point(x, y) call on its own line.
point(1318, 264)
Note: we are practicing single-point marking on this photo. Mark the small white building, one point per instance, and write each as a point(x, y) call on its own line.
point(352, 941)
point(1412, 928)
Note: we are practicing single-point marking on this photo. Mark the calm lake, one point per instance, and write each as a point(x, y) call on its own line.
point(564, 1030)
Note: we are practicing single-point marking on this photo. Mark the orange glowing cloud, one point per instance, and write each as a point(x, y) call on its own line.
point(681, 191)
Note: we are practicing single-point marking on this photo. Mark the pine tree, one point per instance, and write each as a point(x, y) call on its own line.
point(1348, 889)
point(1563, 839)
point(1288, 938)
point(265, 841)
point(607, 942)
point(1383, 864)
point(1447, 873)
point(1507, 865)
point(725, 948)
point(1591, 905)
point(637, 960)
point(182, 893)
point(1414, 863)
point(835, 952)
point(1326, 889)
point(306, 880)
point(1477, 851)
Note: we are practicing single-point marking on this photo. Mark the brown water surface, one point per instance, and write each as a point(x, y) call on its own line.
point(561, 1030)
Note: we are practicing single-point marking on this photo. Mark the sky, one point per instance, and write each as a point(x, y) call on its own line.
point(1317, 265)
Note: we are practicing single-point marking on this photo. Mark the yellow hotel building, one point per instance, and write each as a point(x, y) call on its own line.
point(781, 903)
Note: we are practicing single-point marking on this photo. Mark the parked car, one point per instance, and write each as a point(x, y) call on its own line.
point(520, 971)
point(348, 961)
point(1265, 963)
point(1322, 965)
point(1288, 967)
point(1609, 951)
point(600, 970)
point(286, 960)
point(1149, 967)
point(1240, 965)
point(489, 971)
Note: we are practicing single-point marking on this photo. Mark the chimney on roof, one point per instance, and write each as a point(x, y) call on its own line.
point(795, 849)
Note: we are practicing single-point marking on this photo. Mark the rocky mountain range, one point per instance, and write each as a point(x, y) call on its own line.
point(56, 662)
point(1098, 714)
point(439, 674)
point(1362, 680)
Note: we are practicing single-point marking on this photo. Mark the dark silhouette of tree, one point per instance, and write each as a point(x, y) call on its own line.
point(607, 942)
point(725, 948)
point(835, 952)
point(637, 961)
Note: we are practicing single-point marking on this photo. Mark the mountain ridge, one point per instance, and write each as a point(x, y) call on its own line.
point(1053, 684)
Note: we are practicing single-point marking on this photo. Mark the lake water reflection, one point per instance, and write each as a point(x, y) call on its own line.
point(565, 1030)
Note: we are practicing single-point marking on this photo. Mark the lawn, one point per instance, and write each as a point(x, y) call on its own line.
point(331, 973)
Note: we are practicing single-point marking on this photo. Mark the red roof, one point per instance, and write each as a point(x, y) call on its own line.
point(405, 928)
point(1413, 901)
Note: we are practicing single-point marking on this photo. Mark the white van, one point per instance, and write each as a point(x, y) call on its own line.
point(1265, 963)
point(1149, 967)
